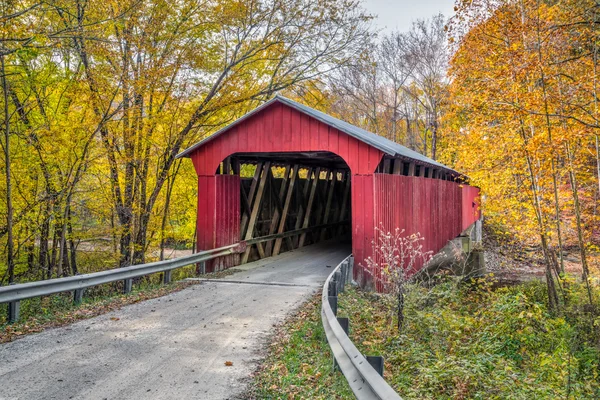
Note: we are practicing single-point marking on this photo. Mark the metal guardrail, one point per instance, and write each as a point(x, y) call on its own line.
point(13, 294)
point(364, 380)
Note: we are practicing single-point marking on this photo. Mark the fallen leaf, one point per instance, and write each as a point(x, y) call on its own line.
point(114, 318)
point(228, 363)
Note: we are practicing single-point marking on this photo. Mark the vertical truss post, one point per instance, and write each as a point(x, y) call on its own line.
point(256, 210)
point(286, 208)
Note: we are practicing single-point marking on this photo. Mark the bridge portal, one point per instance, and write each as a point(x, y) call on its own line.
point(286, 175)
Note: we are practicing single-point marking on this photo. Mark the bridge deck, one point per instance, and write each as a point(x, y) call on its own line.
point(171, 347)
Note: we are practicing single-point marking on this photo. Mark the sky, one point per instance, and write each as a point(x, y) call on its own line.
point(398, 14)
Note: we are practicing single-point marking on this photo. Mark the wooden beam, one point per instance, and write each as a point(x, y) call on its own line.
point(256, 209)
point(422, 171)
point(286, 208)
point(235, 166)
point(386, 165)
point(434, 174)
point(311, 198)
point(302, 204)
point(342, 213)
point(398, 167)
point(278, 210)
point(328, 204)
point(284, 235)
point(321, 200)
point(227, 166)
point(411, 169)
point(250, 200)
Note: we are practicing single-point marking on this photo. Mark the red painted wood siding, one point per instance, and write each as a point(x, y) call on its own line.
point(470, 205)
point(280, 128)
point(438, 210)
point(218, 222)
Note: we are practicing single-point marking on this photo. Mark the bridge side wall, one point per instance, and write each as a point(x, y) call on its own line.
point(438, 210)
point(218, 222)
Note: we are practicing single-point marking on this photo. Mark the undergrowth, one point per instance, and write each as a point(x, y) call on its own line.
point(299, 364)
point(476, 342)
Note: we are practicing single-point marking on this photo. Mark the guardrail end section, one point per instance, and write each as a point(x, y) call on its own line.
point(13, 311)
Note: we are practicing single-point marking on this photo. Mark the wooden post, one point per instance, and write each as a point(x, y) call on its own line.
point(235, 166)
point(386, 165)
point(302, 205)
point(277, 213)
point(342, 212)
point(398, 167)
point(311, 199)
point(328, 204)
point(411, 169)
point(422, 171)
point(250, 200)
point(286, 208)
point(256, 209)
point(321, 203)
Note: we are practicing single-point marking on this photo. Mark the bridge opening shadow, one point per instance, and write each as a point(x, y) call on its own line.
point(287, 201)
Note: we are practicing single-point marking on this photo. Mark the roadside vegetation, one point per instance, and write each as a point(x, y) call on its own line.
point(299, 364)
point(459, 341)
point(472, 341)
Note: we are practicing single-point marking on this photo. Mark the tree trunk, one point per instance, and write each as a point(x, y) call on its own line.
point(10, 262)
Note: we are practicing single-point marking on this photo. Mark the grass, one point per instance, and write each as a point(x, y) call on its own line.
point(466, 342)
point(299, 364)
point(40, 313)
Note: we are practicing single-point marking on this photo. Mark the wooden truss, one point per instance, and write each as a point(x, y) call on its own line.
point(289, 206)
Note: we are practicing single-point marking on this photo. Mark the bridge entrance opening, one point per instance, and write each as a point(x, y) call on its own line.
point(289, 200)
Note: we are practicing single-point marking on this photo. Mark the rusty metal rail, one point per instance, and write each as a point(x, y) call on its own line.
point(365, 382)
point(13, 294)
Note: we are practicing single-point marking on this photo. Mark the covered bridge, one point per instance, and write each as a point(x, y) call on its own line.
point(286, 175)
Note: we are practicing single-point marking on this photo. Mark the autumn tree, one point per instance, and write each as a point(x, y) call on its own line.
point(521, 125)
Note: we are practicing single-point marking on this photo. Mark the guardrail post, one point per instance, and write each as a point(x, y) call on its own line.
point(351, 269)
point(127, 284)
point(167, 277)
point(78, 296)
point(333, 303)
point(345, 324)
point(377, 363)
point(13, 311)
point(338, 282)
point(332, 289)
point(201, 268)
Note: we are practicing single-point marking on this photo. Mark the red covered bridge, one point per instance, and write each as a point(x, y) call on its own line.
point(285, 175)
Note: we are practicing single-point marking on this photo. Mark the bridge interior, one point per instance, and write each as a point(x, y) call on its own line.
point(290, 200)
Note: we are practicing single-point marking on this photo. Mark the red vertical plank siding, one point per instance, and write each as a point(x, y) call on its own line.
point(431, 207)
point(218, 221)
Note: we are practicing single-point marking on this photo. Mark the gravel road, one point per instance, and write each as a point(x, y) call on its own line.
point(173, 347)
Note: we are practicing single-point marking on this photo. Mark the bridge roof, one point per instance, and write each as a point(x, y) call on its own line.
point(379, 142)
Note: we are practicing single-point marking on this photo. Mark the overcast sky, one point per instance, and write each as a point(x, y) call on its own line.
point(398, 14)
